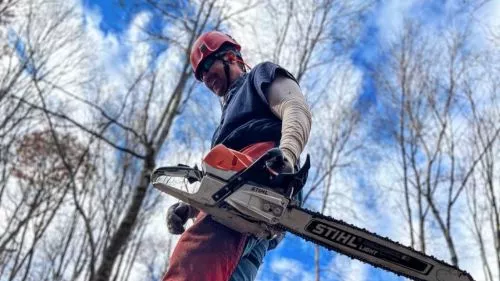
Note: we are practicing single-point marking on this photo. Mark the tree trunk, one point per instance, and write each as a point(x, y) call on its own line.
point(122, 234)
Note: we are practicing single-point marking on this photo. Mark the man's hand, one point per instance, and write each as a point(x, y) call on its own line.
point(177, 216)
point(280, 165)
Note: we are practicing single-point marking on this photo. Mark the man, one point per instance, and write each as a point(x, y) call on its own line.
point(262, 109)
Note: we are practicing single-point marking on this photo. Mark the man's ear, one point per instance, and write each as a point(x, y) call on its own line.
point(230, 57)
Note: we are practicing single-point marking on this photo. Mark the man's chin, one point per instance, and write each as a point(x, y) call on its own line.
point(220, 92)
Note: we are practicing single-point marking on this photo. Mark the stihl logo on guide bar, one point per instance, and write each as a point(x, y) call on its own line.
point(337, 236)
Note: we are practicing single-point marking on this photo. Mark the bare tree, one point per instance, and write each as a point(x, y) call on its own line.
point(425, 84)
point(14, 114)
point(43, 186)
point(137, 130)
point(403, 85)
point(6, 11)
point(335, 144)
point(34, 182)
point(299, 34)
point(483, 94)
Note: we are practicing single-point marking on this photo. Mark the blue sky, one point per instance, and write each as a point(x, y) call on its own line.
point(116, 15)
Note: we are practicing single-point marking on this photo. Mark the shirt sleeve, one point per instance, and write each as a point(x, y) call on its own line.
point(288, 103)
point(264, 74)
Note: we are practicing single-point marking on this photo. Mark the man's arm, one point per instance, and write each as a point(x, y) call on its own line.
point(288, 103)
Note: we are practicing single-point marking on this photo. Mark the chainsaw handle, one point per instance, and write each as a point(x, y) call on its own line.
point(160, 178)
point(181, 171)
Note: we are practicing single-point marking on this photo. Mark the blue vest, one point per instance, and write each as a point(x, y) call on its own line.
point(246, 116)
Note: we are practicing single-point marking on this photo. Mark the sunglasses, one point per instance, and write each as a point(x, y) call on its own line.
point(207, 63)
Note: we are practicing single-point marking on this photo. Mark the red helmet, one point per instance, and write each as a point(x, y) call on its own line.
point(207, 44)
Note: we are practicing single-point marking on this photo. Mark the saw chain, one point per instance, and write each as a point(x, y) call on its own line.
point(368, 247)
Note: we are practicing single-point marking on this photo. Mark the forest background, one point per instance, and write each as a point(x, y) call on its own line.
point(94, 94)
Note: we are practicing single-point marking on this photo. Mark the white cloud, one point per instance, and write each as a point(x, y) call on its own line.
point(487, 25)
point(349, 269)
point(107, 47)
point(490, 13)
point(291, 270)
point(390, 17)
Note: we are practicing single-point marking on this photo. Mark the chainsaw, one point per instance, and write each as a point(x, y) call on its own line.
point(251, 197)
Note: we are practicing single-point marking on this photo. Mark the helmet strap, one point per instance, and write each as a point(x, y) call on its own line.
point(233, 57)
point(226, 71)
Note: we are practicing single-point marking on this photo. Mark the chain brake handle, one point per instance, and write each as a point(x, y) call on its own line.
point(258, 172)
point(249, 174)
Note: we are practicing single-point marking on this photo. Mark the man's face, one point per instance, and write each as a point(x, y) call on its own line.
point(214, 77)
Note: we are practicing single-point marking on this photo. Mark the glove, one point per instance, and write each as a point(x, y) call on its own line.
point(280, 165)
point(177, 216)
point(274, 242)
